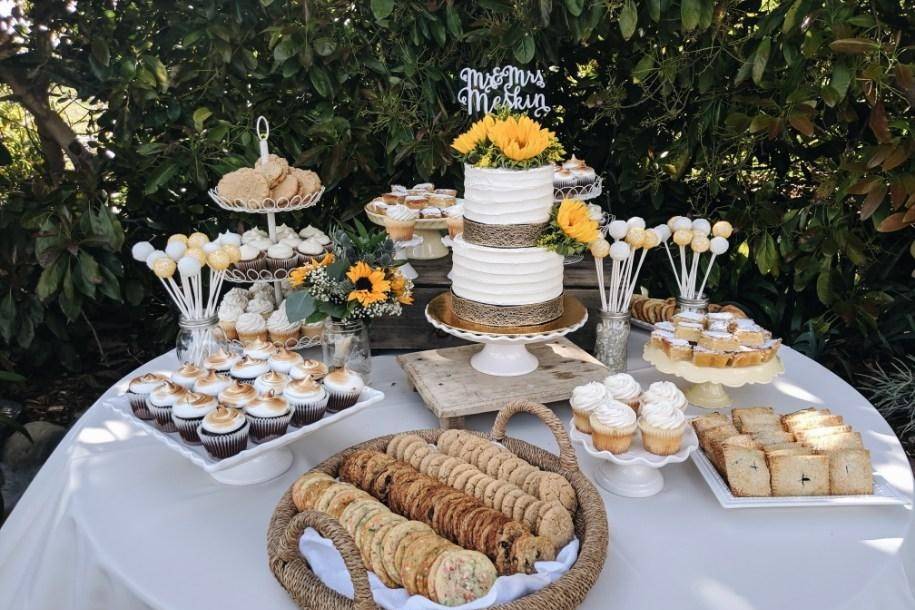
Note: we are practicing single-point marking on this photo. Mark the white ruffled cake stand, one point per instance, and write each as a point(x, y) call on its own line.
point(504, 352)
point(400, 254)
point(429, 229)
point(708, 390)
point(636, 473)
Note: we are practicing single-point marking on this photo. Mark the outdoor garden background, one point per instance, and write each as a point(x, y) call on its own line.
point(792, 119)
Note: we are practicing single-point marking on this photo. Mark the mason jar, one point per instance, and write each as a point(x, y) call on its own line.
point(612, 340)
point(697, 305)
point(346, 344)
point(198, 338)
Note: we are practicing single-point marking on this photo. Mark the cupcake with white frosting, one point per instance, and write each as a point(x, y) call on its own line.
point(281, 330)
point(259, 305)
point(585, 399)
point(160, 402)
point(309, 250)
point(613, 425)
point(269, 417)
point(315, 369)
point(224, 432)
point(271, 382)
point(309, 231)
point(228, 314)
point(283, 360)
point(454, 218)
point(220, 361)
point(624, 388)
point(281, 257)
point(187, 375)
point(343, 388)
point(400, 221)
point(188, 413)
point(662, 426)
point(665, 392)
point(251, 327)
point(308, 400)
point(251, 259)
point(260, 349)
point(237, 395)
point(235, 296)
point(139, 389)
point(212, 383)
point(247, 370)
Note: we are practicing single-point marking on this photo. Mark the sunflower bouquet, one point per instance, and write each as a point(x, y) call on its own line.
point(572, 227)
point(359, 280)
point(508, 140)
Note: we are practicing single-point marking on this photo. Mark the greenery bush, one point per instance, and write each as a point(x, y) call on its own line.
point(791, 119)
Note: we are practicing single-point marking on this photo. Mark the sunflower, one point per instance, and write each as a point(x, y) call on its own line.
point(478, 132)
point(298, 275)
point(520, 138)
point(399, 288)
point(369, 285)
point(575, 222)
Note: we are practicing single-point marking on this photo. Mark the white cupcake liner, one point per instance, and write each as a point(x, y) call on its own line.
point(339, 401)
point(187, 428)
point(221, 446)
point(265, 429)
point(308, 411)
point(138, 405)
point(163, 417)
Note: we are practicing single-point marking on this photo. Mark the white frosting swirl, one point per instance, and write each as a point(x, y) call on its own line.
point(278, 322)
point(248, 252)
point(310, 368)
point(661, 415)
point(271, 381)
point(306, 390)
point(249, 368)
point(144, 384)
point(166, 394)
point(623, 387)
point(586, 398)
point(230, 312)
point(211, 384)
point(283, 360)
point(193, 405)
point(260, 349)
point(222, 421)
point(402, 213)
point(250, 323)
point(311, 247)
point(454, 211)
point(280, 250)
point(267, 406)
point(259, 306)
point(665, 392)
point(344, 381)
point(614, 414)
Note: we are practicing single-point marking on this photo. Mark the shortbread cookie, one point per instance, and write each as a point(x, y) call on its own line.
point(850, 472)
point(323, 499)
point(244, 186)
point(274, 168)
point(746, 471)
point(343, 499)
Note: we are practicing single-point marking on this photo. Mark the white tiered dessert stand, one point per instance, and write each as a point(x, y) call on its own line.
point(504, 352)
point(270, 208)
point(708, 390)
point(636, 473)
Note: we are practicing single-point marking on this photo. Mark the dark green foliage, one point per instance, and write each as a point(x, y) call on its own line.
point(791, 119)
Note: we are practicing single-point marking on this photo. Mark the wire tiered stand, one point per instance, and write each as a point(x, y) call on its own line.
point(270, 208)
point(584, 192)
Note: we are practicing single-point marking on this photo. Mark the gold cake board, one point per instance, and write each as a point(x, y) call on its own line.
point(452, 389)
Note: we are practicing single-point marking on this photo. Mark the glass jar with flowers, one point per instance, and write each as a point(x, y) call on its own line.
point(347, 288)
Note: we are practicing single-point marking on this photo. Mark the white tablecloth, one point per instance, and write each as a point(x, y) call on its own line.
point(115, 520)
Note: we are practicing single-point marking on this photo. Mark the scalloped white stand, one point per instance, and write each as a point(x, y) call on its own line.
point(708, 390)
point(636, 473)
point(264, 467)
point(429, 229)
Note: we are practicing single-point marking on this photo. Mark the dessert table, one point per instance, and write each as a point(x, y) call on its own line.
point(116, 520)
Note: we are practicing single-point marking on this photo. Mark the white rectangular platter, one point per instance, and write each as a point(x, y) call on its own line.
point(199, 456)
point(884, 493)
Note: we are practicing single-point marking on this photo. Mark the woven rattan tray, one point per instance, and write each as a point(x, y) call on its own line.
point(287, 526)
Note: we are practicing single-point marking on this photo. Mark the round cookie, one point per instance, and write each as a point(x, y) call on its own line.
point(417, 454)
point(554, 486)
point(508, 502)
point(445, 470)
point(286, 189)
point(309, 182)
point(521, 505)
point(322, 500)
point(555, 524)
point(311, 492)
point(343, 499)
point(527, 550)
point(413, 557)
point(432, 463)
point(489, 492)
point(457, 471)
point(531, 515)
point(508, 466)
point(422, 573)
point(460, 481)
point(501, 492)
point(491, 451)
point(304, 481)
point(274, 168)
point(520, 473)
point(480, 486)
point(244, 186)
point(493, 465)
point(393, 539)
point(375, 556)
point(460, 576)
point(405, 449)
point(446, 438)
point(531, 483)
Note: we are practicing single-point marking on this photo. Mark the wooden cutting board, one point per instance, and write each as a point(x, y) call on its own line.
point(452, 389)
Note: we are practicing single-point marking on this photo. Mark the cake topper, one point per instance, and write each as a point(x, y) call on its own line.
point(502, 87)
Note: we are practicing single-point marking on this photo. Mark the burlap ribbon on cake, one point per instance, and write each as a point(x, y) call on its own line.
point(502, 236)
point(506, 315)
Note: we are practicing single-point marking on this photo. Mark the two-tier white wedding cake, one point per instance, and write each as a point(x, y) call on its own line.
point(499, 276)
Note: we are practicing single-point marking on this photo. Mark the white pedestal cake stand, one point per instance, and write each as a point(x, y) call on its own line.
point(708, 391)
point(400, 254)
point(504, 352)
point(636, 473)
point(429, 229)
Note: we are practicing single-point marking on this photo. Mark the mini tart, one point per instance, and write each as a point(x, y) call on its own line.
point(188, 413)
point(187, 375)
point(237, 395)
point(248, 369)
point(224, 432)
point(308, 400)
point(344, 388)
point(269, 417)
point(212, 383)
point(220, 361)
point(271, 382)
point(260, 349)
point(283, 360)
point(315, 369)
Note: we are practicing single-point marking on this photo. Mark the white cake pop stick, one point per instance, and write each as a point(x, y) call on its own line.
point(717, 246)
point(699, 245)
point(619, 252)
point(683, 237)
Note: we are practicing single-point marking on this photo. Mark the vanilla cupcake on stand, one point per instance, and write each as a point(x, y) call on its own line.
point(585, 399)
point(283, 360)
point(269, 417)
point(247, 370)
point(281, 257)
point(613, 425)
point(624, 388)
point(271, 382)
point(188, 413)
point(662, 425)
point(454, 218)
point(665, 392)
point(251, 259)
point(251, 327)
point(211, 384)
point(281, 330)
point(160, 403)
point(400, 221)
point(261, 305)
point(224, 432)
point(187, 375)
point(237, 395)
point(343, 388)
point(228, 314)
point(220, 361)
point(260, 350)
point(315, 369)
point(309, 250)
point(138, 391)
point(308, 400)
